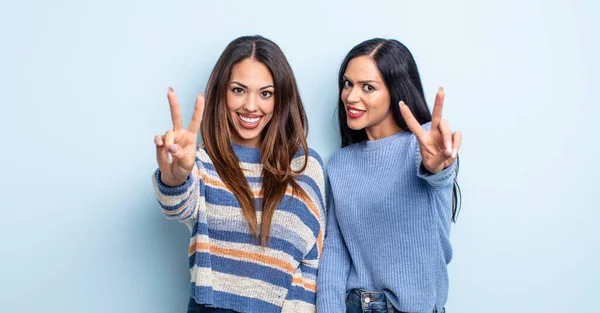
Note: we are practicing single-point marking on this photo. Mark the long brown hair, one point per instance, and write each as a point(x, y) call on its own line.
point(283, 136)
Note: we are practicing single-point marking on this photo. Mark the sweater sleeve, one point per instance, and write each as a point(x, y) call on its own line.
point(334, 267)
point(437, 180)
point(301, 296)
point(181, 202)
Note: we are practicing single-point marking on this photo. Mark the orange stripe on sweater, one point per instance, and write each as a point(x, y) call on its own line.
point(183, 206)
point(309, 203)
point(308, 286)
point(219, 184)
point(320, 243)
point(312, 207)
point(205, 247)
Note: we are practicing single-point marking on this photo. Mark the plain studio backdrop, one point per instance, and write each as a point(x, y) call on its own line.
point(84, 84)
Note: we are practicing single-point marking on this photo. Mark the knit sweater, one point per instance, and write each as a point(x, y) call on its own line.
point(229, 268)
point(388, 226)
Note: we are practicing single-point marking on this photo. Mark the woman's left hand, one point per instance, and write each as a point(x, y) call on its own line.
point(439, 146)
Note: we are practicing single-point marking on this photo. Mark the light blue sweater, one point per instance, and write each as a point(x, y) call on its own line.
point(388, 226)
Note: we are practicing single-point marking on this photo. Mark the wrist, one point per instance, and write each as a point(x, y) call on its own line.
point(428, 170)
point(171, 182)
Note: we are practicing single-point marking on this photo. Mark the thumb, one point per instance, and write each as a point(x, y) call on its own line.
point(183, 158)
point(176, 151)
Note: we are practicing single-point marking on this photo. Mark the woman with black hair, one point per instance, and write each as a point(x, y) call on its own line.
point(393, 189)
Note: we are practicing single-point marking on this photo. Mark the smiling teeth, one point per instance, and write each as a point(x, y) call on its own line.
point(249, 120)
point(355, 112)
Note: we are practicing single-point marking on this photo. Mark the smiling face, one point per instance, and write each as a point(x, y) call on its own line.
point(250, 101)
point(366, 99)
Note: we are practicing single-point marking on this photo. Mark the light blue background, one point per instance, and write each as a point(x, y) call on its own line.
point(83, 86)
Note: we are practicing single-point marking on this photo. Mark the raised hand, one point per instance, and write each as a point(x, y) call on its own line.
point(439, 146)
point(176, 149)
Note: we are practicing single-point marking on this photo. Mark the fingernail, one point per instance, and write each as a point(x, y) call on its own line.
point(173, 149)
point(402, 103)
point(454, 153)
point(170, 89)
point(441, 88)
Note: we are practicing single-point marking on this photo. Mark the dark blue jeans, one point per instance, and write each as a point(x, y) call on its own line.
point(362, 301)
point(194, 307)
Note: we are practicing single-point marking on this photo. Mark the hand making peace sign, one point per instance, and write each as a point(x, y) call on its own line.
point(179, 143)
point(439, 146)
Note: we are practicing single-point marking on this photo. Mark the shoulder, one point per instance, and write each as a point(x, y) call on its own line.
point(202, 157)
point(315, 161)
point(341, 156)
point(314, 171)
point(313, 175)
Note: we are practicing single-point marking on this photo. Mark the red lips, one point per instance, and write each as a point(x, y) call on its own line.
point(356, 112)
point(246, 124)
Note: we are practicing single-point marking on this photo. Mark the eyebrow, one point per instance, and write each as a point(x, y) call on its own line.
point(364, 81)
point(244, 86)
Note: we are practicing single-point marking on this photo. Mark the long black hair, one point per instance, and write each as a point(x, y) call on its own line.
point(401, 76)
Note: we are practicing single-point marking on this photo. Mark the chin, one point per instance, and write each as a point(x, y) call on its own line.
point(355, 126)
point(249, 137)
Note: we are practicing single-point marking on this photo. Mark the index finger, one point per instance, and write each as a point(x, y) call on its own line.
point(198, 112)
point(436, 116)
point(175, 111)
point(410, 120)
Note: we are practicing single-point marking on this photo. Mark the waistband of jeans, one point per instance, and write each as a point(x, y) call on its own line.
point(371, 300)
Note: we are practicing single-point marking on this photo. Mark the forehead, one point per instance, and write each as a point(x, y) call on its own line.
point(362, 68)
point(251, 73)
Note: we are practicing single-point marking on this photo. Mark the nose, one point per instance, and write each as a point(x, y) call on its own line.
point(252, 104)
point(353, 95)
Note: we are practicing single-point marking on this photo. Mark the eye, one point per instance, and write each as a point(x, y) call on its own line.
point(266, 94)
point(237, 90)
point(347, 84)
point(368, 88)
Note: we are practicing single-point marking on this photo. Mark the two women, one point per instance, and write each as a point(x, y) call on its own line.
point(253, 193)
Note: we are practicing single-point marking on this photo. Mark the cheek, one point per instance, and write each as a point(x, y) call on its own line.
point(378, 102)
point(344, 95)
point(229, 100)
point(233, 103)
point(267, 108)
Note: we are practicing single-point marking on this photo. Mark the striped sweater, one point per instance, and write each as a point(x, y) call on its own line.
point(229, 268)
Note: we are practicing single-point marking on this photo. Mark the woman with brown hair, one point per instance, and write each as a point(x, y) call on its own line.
point(253, 193)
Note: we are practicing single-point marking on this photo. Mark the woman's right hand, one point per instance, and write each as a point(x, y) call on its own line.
point(179, 143)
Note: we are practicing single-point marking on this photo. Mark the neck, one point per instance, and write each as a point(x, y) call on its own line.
point(250, 143)
point(387, 127)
